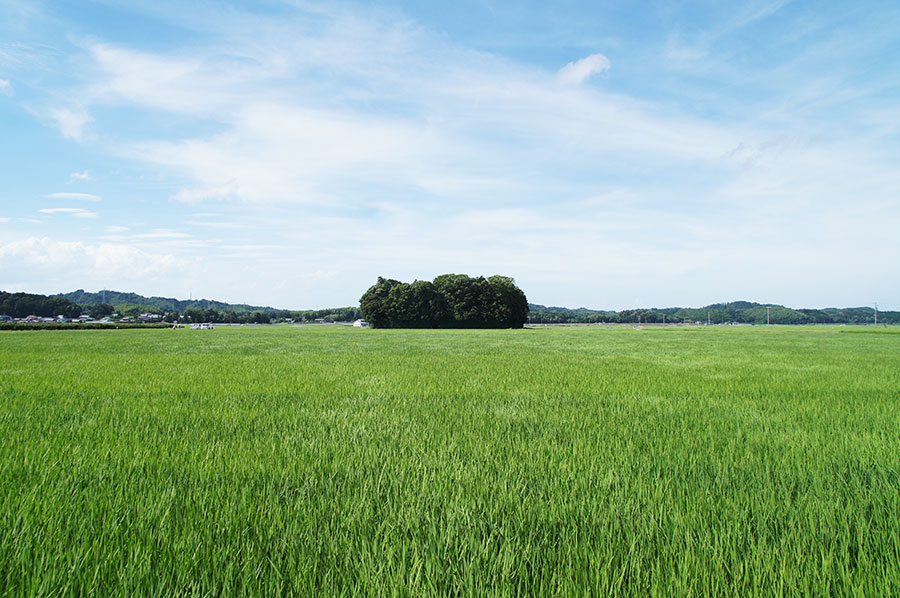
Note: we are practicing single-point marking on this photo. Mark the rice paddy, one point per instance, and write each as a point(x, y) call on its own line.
point(339, 461)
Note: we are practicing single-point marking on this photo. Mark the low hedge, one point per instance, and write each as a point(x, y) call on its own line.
point(73, 326)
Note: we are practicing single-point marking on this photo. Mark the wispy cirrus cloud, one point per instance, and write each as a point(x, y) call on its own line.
point(162, 233)
point(84, 175)
point(71, 121)
point(74, 212)
point(479, 123)
point(218, 224)
point(579, 71)
point(74, 196)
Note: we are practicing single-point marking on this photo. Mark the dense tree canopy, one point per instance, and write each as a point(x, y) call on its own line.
point(101, 310)
point(451, 301)
point(21, 305)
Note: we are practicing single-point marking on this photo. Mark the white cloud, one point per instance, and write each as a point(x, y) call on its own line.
point(197, 194)
point(84, 175)
point(71, 121)
point(5, 87)
point(161, 233)
point(76, 212)
point(165, 82)
point(466, 119)
point(579, 71)
point(218, 224)
point(105, 261)
point(116, 229)
point(60, 210)
point(253, 247)
point(4, 219)
point(74, 196)
point(283, 153)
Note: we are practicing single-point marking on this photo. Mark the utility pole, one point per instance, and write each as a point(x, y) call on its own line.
point(707, 317)
point(876, 314)
point(768, 322)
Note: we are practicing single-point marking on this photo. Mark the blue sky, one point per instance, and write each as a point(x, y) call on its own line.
point(604, 154)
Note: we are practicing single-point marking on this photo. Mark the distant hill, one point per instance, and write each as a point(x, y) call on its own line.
point(741, 312)
point(203, 310)
point(119, 300)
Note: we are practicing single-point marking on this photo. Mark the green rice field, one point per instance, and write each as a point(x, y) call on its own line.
point(341, 462)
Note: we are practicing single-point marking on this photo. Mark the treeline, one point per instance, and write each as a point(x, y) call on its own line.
point(158, 304)
point(737, 312)
point(450, 301)
point(195, 315)
point(334, 314)
point(461, 302)
point(22, 305)
point(81, 326)
point(203, 310)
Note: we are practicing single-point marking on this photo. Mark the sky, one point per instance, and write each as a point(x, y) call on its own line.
point(604, 154)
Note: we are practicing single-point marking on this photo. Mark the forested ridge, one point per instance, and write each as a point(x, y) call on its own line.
point(71, 305)
point(203, 310)
point(117, 298)
point(738, 312)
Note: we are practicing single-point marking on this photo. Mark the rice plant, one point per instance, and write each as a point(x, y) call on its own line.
point(340, 461)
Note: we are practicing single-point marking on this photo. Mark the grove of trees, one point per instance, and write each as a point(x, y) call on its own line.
point(21, 305)
point(102, 310)
point(450, 301)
